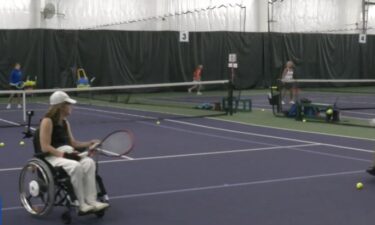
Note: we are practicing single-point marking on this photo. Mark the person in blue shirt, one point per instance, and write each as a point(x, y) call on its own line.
point(15, 83)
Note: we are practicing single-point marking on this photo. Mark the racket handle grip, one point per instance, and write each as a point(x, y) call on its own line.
point(84, 154)
point(94, 146)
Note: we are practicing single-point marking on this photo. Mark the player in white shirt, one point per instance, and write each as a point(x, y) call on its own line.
point(288, 87)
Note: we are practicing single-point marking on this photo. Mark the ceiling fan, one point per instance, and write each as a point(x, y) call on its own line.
point(50, 11)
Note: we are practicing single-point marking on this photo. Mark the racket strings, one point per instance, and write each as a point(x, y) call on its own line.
point(117, 143)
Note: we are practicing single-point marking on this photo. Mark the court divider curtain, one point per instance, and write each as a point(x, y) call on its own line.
point(137, 57)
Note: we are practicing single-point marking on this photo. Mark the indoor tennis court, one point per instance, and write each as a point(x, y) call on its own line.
point(241, 174)
point(233, 112)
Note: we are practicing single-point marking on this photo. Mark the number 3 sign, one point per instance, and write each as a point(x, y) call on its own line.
point(184, 36)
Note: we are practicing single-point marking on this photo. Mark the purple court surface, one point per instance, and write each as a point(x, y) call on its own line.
point(203, 171)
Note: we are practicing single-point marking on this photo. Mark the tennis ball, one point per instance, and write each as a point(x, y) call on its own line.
point(304, 120)
point(329, 111)
point(158, 122)
point(2, 144)
point(262, 110)
point(359, 185)
point(372, 122)
point(22, 143)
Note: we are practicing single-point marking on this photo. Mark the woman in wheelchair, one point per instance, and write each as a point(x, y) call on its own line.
point(57, 140)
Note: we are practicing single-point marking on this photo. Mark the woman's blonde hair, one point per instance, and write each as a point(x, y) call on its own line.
point(54, 112)
point(290, 62)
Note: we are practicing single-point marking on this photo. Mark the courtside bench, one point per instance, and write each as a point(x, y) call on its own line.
point(240, 104)
point(317, 110)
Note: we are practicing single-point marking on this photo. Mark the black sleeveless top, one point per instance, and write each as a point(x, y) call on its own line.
point(60, 135)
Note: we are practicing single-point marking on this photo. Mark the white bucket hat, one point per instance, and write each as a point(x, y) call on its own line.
point(59, 97)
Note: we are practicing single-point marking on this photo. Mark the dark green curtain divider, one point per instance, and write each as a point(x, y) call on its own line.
point(24, 46)
point(137, 57)
point(323, 56)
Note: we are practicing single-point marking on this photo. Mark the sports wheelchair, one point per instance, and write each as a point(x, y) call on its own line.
point(42, 186)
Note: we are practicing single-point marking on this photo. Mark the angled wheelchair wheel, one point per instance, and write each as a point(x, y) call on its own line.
point(66, 218)
point(37, 187)
point(100, 214)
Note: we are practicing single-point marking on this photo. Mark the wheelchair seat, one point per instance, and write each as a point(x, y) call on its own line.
point(42, 186)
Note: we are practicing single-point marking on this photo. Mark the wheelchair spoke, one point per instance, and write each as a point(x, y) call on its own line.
point(29, 197)
point(41, 196)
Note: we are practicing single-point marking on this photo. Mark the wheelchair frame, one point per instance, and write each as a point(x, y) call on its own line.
point(50, 186)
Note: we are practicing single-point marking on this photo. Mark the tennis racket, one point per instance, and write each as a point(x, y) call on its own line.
point(116, 144)
point(20, 85)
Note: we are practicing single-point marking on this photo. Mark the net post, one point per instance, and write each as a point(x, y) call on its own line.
point(230, 97)
point(24, 105)
point(232, 64)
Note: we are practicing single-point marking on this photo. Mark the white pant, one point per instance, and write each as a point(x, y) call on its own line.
point(82, 175)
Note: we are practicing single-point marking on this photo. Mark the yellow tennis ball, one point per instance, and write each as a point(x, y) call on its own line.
point(22, 143)
point(2, 144)
point(329, 111)
point(359, 185)
point(304, 120)
point(262, 110)
point(372, 122)
point(158, 122)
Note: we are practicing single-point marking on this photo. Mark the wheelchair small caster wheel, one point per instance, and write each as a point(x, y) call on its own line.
point(66, 218)
point(100, 214)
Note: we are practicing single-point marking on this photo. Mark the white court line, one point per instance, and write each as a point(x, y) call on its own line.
point(268, 136)
point(203, 126)
point(222, 129)
point(10, 169)
point(116, 113)
point(359, 113)
point(233, 185)
point(238, 139)
point(186, 155)
point(209, 134)
point(211, 153)
point(221, 119)
point(232, 131)
point(250, 133)
point(221, 186)
point(114, 154)
point(10, 122)
point(190, 131)
point(348, 148)
point(293, 130)
point(246, 133)
point(332, 155)
point(293, 147)
point(16, 124)
point(235, 131)
point(185, 130)
point(12, 208)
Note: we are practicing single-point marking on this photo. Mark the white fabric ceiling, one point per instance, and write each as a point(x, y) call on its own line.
point(329, 16)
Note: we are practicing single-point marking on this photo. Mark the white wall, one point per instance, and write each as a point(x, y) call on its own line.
point(198, 15)
point(337, 16)
point(316, 16)
point(16, 14)
point(202, 15)
point(84, 14)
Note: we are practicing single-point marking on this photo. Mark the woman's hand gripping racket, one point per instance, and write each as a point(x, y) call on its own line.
point(116, 144)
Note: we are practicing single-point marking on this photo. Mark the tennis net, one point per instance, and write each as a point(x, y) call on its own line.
point(353, 98)
point(126, 102)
